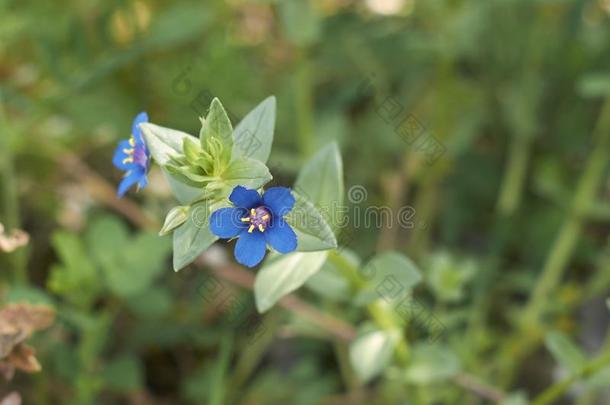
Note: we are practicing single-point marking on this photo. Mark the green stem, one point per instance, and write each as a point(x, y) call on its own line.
point(563, 247)
point(570, 231)
point(514, 179)
point(219, 387)
point(551, 394)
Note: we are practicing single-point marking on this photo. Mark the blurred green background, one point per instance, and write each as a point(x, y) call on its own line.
point(511, 222)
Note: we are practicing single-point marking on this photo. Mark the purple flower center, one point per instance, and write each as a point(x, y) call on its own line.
point(258, 218)
point(140, 157)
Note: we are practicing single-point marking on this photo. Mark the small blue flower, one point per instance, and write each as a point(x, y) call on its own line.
point(256, 221)
point(133, 157)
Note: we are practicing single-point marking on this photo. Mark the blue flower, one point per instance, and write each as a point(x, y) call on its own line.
point(256, 221)
point(133, 157)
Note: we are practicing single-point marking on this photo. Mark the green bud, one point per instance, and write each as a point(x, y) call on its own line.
point(175, 217)
point(191, 150)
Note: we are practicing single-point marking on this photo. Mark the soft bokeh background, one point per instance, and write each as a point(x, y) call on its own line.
point(514, 90)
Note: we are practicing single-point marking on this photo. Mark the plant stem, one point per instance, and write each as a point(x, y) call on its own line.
point(514, 178)
point(562, 249)
point(570, 231)
point(551, 394)
point(219, 388)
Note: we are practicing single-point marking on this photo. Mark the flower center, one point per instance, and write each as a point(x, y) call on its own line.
point(258, 218)
point(136, 154)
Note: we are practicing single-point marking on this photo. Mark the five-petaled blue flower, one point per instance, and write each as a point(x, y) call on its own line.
point(256, 221)
point(133, 157)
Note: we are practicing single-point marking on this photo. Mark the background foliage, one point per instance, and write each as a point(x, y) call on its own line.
point(510, 229)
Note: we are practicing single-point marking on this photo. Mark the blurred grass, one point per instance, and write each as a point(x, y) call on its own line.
point(512, 88)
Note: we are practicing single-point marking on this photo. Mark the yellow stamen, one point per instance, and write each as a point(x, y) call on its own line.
point(246, 219)
point(251, 229)
point(265, 217)
point(128, 151)
point(127, 160)
point(261, 228)
point(253, 212)
point(132, 142)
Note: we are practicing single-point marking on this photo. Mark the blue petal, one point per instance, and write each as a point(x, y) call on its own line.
point(280, 236)
point(245, 198)
point(132, 178)
point(119, 156)
point(135, 129)
point(143, 182)
point(279, 200)
point(226, 222)
point(250, 248)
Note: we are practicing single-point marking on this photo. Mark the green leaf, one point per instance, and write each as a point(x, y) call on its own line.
point(321, 182)
point(217, 125)
point(392, 276)
point(163, 142)
point(329, 283)
point(193, 237)
point(312, 230)
point(191, 150)
point(565, 352)
point(152, 303)
point(124, 374)
point(31, 295)
point(283, 274)
point(371, 352)
point(175, 217)
point(142, 260)
point(76, 278)
point(246, 172)
point(594, 85)
point(106, 238)
point(253, 136)
point(430, 363)
point(184, 193)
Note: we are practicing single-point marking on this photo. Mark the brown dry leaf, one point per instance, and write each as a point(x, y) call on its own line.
point(17, 323)
point(15, 240)
point(23, 358)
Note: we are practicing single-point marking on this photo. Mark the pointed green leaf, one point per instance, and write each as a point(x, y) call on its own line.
point(371, 353)
point(312, 230)
point(163, 142)
point(565, 351)
point(184, 193)
point(191, 150)
point(321, 182)
point(217, 125)
point(193, 237)
point(253, 136)
point(246, 172)
point(283, 274)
